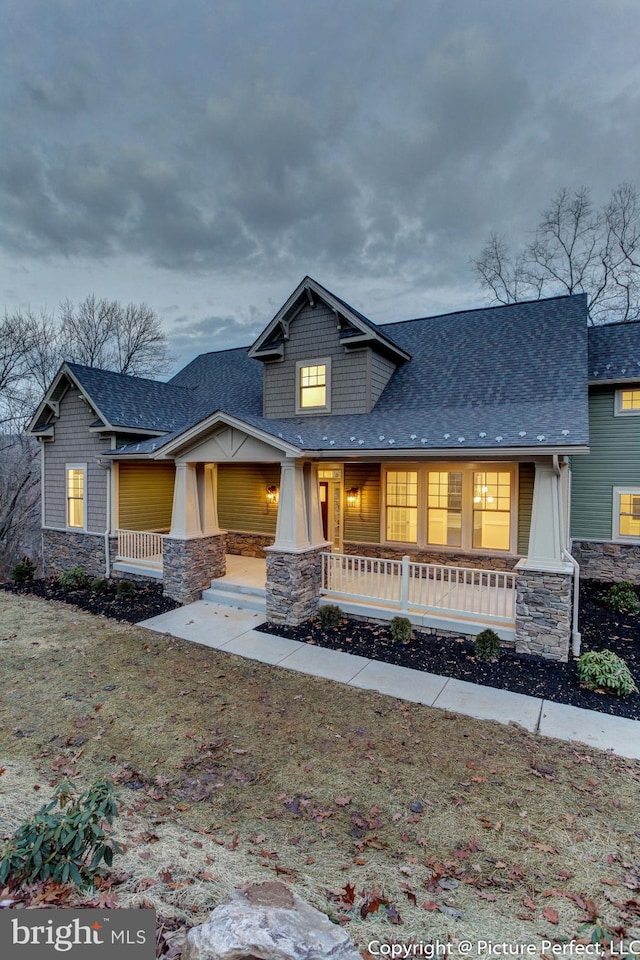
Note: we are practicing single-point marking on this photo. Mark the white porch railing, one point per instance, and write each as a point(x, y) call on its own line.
point(142, 547)
point(467, 592)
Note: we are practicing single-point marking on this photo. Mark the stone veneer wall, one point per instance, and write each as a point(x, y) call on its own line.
point(543, 613)
point(607, 561)
point(190, 565)
point(293, 585)
point(248, 544)
point(417, 555)
point(63, 549)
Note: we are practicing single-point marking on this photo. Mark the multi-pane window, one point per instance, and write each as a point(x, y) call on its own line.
point(402, 505)
point(76, 497)
point(313, 386)
point(629, 513)
point(628, 401)
point(492, 509)
point(444, 523)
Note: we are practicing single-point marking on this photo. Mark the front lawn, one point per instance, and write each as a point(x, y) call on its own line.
point(229, 770)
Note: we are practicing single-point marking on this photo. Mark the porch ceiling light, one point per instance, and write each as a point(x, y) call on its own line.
point(273, 494)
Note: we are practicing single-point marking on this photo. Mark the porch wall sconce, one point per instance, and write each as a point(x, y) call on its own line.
point(353, 496)
point(273, 494)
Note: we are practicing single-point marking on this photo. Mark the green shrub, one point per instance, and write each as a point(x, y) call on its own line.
point(74, 579)
point(622, 597)
point(101, 585)
point(401, 630)
point(604, 670)
point(65, 845)
point(330, 616)
point(24, 571)
point(487, 645)
point(125, 590)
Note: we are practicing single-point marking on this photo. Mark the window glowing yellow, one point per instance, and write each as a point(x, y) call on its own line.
point(75, 497)
point(444, 526)
point(630, 515)
point(630, 400)
point(492, 510)
point(402, 506)
point(313, 386)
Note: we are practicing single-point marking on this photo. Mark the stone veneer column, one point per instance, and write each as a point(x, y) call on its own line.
point(190, 565)
point(543, 612)
point(293, 584)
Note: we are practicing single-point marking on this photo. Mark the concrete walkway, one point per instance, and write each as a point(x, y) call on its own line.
point(233, 630)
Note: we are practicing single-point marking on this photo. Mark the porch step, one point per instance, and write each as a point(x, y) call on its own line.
point(235, 595)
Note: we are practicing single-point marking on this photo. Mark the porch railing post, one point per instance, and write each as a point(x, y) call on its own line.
point(404, 585)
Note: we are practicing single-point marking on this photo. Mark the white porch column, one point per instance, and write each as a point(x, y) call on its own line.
point(546, 535)
point(316, 533)
point(292, 529)
point(208, 495)
point(185, 518)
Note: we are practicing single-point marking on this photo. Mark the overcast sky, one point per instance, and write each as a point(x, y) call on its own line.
point(204, 155)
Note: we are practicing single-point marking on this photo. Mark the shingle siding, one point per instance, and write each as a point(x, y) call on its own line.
point(74, 443)
point(614, 461)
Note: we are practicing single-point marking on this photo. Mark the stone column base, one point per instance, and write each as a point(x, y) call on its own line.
point(189, 566)
point(293, 585)
point(544, 613)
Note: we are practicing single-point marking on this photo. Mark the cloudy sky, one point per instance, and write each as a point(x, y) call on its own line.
point(204, 155)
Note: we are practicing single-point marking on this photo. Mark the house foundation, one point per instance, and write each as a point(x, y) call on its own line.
point(293, 584)
point(543, 613)
point(63, 549)
point(607, 561)
point(189, 565)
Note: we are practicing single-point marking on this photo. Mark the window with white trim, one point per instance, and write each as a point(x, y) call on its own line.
point(76, 495)
point(626, 513)
point(628, 402)
point(313, 386)
point(451, 505)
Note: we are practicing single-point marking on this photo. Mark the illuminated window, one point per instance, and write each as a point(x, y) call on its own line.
point(444, 524)
point(402, 505)
point(628, 402)
point(313, 386)
point(492, 510)
point(76, 496)
point(626, 513)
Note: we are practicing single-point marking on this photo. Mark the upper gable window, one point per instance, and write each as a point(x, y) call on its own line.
point(628, 402)
point(313, 386)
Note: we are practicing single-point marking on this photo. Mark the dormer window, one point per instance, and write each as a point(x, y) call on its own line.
point(314, 386)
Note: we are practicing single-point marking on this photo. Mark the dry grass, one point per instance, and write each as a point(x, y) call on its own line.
point(230, 770)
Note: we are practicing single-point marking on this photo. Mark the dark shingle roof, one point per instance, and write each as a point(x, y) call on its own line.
point(614, 352)
point(499, 377)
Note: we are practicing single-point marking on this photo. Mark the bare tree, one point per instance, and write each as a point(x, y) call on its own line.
point(97, 333)
point(574, 249)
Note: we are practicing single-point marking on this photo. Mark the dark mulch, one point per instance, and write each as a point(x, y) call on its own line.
point(601, 629)
point(148, 600)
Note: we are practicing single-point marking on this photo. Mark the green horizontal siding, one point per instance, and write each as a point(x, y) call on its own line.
point(362, 523)
point(242, 499)
point(526, 473)
point(614, 461)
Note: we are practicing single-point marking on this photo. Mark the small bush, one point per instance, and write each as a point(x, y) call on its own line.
point(604, 670)
point(74, 579)
point(65, 846)
point(401, 630)
point(24, 571)
point(101, 585)
point(622, 598)
point(330, 616)
point(487, 645)
point(125, 590)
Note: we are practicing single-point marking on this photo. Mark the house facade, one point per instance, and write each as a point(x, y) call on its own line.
point(455, 469)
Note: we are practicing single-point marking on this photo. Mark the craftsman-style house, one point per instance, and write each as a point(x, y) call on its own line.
point(457, 468)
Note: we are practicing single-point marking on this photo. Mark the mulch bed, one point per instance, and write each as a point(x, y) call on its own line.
point(601, 629)
point(147, 601)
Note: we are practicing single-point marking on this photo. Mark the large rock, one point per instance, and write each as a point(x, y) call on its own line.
point(266, 921)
